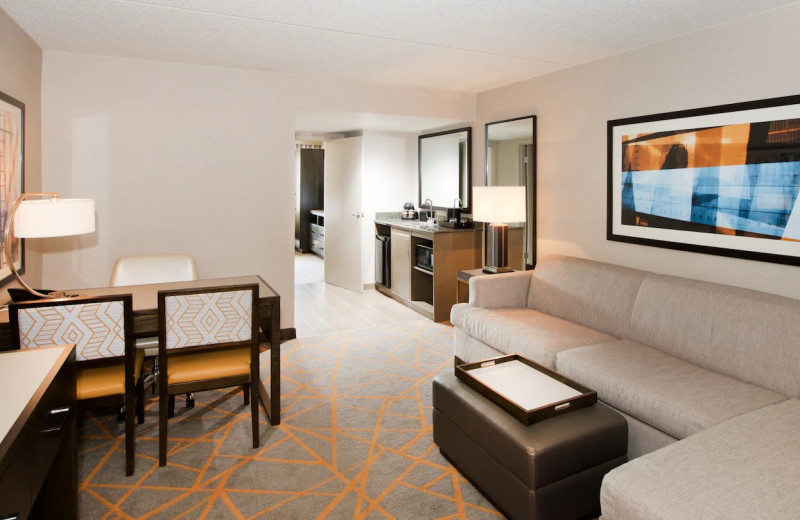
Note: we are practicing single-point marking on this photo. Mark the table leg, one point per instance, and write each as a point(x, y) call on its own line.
point(275, 365)
point(271, 401)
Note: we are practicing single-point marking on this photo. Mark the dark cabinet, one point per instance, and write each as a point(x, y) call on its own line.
point(309, 196)
point(38, 465)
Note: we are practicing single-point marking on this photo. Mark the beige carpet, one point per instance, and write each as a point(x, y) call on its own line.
point(355, 442)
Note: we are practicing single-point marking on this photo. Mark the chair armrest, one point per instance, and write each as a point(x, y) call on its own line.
point(508, 290)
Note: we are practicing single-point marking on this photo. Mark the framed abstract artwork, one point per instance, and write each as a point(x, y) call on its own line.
point(12, 134)
point(721, 180)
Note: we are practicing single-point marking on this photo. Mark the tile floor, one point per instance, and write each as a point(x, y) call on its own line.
point(322, 308)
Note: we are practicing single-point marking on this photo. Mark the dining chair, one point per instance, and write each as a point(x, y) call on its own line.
point(146, 269)
point(140, 269)
point(207, 339)
point(108, 365)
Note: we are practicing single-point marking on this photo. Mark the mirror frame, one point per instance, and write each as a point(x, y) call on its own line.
point(464, 208)
point(530, 191)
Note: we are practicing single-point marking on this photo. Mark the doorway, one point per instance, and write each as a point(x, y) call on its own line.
point(309, 207)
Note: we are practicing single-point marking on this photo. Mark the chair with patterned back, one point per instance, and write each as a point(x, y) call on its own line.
point(208, 339)
point(145, 269)
point(108, 365)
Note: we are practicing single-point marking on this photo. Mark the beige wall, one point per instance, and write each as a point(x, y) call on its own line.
point(21, 78)
point(390, 180)
point(750, 59)
point(192, 159)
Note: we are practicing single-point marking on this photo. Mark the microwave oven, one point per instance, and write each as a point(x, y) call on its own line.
point(424, 256)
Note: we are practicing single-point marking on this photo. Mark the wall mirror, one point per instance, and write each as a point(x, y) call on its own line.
point(445, 172)
point(511, 161)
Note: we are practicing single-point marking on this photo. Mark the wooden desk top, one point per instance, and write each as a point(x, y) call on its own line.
point(145, 296)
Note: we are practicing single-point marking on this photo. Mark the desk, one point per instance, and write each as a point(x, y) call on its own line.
point(145, 323)
point(38, 464)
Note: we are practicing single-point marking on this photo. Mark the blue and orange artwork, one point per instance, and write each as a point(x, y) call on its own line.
point(740, 179)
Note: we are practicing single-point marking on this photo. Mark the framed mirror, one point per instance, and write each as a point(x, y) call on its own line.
point(445, 169)
point(511, 161)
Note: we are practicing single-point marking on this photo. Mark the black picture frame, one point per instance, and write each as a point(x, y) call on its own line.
point(721, 180)
point(12, 169)
point(463, 157)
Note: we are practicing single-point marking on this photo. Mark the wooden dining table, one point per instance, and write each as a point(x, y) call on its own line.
point(145, 323)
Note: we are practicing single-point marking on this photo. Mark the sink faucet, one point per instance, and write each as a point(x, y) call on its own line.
point(431, 215)
point(428, 202)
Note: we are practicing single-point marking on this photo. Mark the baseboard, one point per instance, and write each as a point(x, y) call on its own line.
point(287, 334)
point(369, 286)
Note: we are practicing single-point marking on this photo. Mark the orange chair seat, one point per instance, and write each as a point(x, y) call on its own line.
point(100, 382)
point(104, 381)
point(208, 365)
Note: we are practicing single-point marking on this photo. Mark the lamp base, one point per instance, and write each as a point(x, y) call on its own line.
point(497, 249)
point(493, 269)
point(19, 294)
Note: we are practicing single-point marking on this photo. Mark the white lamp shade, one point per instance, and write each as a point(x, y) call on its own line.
point(498, 204)
point(54, 218)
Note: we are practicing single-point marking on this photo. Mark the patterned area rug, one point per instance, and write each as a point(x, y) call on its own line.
point(355, 441)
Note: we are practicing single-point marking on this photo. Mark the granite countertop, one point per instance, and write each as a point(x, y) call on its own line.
point(394, 220)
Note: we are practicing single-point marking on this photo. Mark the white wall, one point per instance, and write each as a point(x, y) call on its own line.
point(183, 158)
point(390, 180)
point(749, 59)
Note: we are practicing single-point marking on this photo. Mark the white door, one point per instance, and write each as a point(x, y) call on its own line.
point(343, 212)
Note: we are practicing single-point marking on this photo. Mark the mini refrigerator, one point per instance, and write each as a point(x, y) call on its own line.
point(383, 273)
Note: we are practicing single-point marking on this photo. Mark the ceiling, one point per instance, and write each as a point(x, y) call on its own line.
point(454, 45)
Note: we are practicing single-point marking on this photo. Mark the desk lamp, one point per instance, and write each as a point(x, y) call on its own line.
point(49, 217)
point(497, 206)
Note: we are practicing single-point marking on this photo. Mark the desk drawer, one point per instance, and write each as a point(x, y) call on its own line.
point(51, 424)
point(15, 492)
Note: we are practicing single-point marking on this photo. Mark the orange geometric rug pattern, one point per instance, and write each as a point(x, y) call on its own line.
point(355, 441)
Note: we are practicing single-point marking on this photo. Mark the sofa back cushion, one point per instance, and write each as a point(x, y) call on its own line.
point(593, 294)
point(745, 334)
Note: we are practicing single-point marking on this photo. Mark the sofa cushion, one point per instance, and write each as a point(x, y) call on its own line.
point(643, 438)
point(469, 350)
point(674, 396)
point(593, 294)
point(527, 332)
point(744, 334)
point(747, 467)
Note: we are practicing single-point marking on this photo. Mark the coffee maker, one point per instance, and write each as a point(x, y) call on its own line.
point(408, 213)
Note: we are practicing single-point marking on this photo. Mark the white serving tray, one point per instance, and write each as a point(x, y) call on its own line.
point(525, 389)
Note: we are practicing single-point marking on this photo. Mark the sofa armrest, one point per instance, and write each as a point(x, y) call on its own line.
point(506, 290)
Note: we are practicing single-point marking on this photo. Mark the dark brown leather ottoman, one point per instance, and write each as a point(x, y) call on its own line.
point(549, 470)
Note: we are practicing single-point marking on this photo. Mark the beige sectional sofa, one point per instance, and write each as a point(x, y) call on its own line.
point(707, 376)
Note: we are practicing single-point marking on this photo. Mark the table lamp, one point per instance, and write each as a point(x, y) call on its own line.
point(497, 206)
point(49, 217)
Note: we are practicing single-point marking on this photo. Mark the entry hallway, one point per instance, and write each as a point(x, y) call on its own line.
point(321, 308)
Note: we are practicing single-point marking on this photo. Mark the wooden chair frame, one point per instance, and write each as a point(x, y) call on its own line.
point(167, 391)
point(132, 398)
